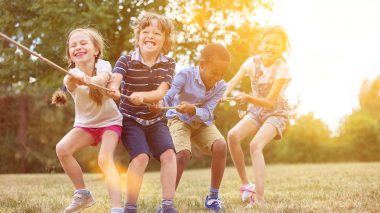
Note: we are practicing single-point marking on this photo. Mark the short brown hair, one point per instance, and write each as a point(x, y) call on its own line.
point(164, 23)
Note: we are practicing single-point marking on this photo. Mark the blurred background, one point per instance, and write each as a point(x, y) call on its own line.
point(333, 57)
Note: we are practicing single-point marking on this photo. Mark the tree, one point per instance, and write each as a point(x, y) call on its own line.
point(360, 131)
point(369, 97)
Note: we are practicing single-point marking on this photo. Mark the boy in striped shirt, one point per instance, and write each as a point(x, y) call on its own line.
point(145, 76)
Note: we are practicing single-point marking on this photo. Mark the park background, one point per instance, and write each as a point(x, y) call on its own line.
point(323, 128)
point(326, 162)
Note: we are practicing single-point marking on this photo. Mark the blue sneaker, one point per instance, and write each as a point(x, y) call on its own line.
point(214, 204)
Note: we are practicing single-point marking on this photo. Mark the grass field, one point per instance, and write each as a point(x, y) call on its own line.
point(348, 187)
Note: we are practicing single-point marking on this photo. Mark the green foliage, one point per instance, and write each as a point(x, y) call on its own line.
point(369, 97)
point(360, 131)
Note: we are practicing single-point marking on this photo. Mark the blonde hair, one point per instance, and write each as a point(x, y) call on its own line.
point(95, 37)
point(59, 98)
point(165, 25)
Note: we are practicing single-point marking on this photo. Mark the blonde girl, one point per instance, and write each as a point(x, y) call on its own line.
point(97, 118)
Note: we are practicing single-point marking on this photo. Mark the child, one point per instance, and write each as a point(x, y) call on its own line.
point(97, 118)
point(196, 91)
point(268, 111)
point(146, 75)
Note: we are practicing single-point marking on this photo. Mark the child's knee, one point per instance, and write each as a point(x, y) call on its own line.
point(233, 137)
point(220, 147)
point(168, 156)
point(62, 151)
point(141, 160)
point(255, 147)
point(183, 157)
point(104, 161)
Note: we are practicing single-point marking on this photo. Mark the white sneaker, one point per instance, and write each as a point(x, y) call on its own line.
point(117, 210)
point(79, 202)
point(246, 191)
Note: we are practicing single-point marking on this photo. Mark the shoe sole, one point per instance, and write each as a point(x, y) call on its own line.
point(88, 205)
point(220, 211)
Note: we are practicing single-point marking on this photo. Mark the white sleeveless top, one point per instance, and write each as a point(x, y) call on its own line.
point(88, 113)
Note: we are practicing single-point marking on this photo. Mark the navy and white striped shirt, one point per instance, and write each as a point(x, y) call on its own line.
point(139, 77)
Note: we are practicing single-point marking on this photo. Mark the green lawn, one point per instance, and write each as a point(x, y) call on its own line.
point(348, 187)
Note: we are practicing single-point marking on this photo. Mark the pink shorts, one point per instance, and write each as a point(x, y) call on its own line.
point(97, 133)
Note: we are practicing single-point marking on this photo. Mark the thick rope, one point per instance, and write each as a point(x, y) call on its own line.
point(52, 64)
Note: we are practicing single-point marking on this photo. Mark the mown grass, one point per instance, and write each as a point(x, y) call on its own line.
point(348, 187)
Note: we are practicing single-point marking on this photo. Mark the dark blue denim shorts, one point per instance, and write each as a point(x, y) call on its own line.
point(152, 140)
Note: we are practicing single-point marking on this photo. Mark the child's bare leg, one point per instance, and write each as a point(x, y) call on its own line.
point(74, 140)
point(135, 176)
point(107, 165)
point(266, 133)
point(236, 135)
point(218, 162)
point(183, 158)
point(168, 174)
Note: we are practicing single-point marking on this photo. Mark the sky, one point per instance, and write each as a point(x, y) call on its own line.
point(335, 46)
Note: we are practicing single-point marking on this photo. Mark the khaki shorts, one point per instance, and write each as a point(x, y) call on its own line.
point(201, 135)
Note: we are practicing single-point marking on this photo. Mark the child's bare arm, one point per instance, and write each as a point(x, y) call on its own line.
point(268, 101)
point(234, 81)
point(69, 82)
point(101, 79)
point(74, 78)
point(114, 85)
point(151, 96)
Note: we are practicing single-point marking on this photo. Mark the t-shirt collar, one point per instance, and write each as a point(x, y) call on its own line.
point(137, 57)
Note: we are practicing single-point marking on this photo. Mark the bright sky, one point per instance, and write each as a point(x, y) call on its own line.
point(335, 45)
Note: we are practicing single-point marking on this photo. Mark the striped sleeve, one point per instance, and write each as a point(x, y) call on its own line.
point(121, 65)
point(169, 72)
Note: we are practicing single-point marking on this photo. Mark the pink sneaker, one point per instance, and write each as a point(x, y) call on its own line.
point(247, 191)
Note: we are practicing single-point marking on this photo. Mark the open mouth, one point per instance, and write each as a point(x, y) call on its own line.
point(150, 44)
point(270, 53)
point(79, 54)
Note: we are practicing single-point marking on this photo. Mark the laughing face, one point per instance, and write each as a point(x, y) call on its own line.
point(151, 38)
point(81, 48)
point(271, 48)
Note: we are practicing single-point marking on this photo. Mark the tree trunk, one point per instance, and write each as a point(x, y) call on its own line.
point(21, 139)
